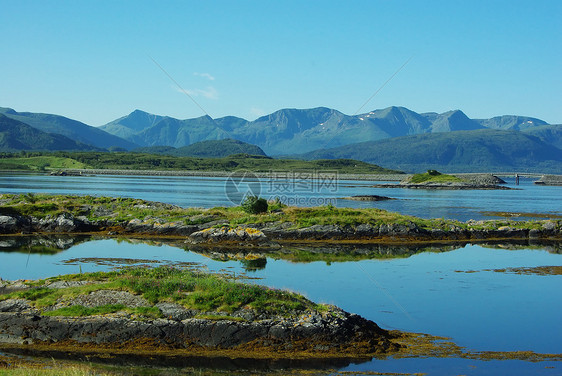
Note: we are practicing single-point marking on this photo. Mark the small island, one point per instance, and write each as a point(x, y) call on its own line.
point(265, 225)
point(180, 311)
point(433, 179)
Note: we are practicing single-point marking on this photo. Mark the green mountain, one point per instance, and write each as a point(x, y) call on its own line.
point(470, 151)
point(451, 121)
point(205, 149)
point(128, 126)
point(288, 131)
point(178, 133)
point(451, 139)
point(16, 136)
point(217, 149)
point(511, 122)
point(551, 134)
point(72, 129)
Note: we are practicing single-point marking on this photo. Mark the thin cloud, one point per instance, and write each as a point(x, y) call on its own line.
point(208, 76)
point(209, 92)
point(257, 112)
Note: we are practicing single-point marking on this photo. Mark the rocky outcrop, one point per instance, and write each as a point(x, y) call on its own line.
point(550, 180)
point(217, 232)
point(242, 236)
point(329, 331)
point(368, 198)
point(469, 181)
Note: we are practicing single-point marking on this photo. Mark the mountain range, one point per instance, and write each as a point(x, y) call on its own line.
point(16, 136)
point(480, 150)
point(311, 133)
point(291, 131)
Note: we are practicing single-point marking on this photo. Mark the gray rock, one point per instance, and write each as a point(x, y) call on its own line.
point(335, 329)
point(65, 284)
point(104, 297)
point(16, 305)
point(175, 312)
point(226, 234)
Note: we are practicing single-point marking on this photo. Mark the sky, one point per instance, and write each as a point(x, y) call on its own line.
point(95, 61)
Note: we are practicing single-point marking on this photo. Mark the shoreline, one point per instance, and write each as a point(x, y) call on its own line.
point(548, 179)
point(45, 214)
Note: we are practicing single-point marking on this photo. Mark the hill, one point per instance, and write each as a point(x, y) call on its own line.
point(205, 149)
point(551, 134)
point(235, 162)
point(470, 151)
point(217, 149)
point(511, 122)
point(16, 136)
point(72, 129)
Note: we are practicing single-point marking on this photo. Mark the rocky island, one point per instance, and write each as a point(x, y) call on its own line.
point(277, 226)
point(179, 310)
point(435, 180)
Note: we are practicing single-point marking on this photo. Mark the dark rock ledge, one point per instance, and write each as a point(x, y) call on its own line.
point(271, 234)
point(331, 333)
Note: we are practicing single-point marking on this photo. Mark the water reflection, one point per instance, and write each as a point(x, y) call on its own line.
point(48, 244)
point(220, 363)
point(251, 259)
point(415, 287)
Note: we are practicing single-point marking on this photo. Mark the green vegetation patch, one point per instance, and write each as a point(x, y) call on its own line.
point(80, 310)
point(40, 163)
point(93, 207)
point(191, 289)
point(144, 161)
point(434, 177)
point(126, 209)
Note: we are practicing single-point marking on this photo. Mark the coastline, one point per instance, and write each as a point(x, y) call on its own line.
point(540, 178)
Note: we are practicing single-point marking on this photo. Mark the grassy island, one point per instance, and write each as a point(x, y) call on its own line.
point(190, 289)
point(434, 177)
point(44, 213)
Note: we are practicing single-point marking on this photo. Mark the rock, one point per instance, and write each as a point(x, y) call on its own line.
point(550, 180)
point(16, 305)
point(368, 198)
point(65, 284)
point(7, 287)
point(332, 330)
point(160, 227)
point(8, 224)
point(104, 297)
point(226, 234)
point(175, 312)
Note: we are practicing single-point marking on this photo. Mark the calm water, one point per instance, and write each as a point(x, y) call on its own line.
point(429, 292)
point(208, 192)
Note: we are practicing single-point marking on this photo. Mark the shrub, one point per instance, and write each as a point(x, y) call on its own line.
point(254, 205)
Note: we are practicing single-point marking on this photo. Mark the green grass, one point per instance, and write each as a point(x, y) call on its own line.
point(119, 209)
point(433, 176)
point(80, 310)
point(192, 289)
point(40, 163)
point(126, 209)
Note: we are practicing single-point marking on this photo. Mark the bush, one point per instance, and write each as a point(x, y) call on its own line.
point(254, 205)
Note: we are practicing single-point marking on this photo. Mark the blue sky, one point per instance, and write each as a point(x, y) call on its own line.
point(93, 60)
